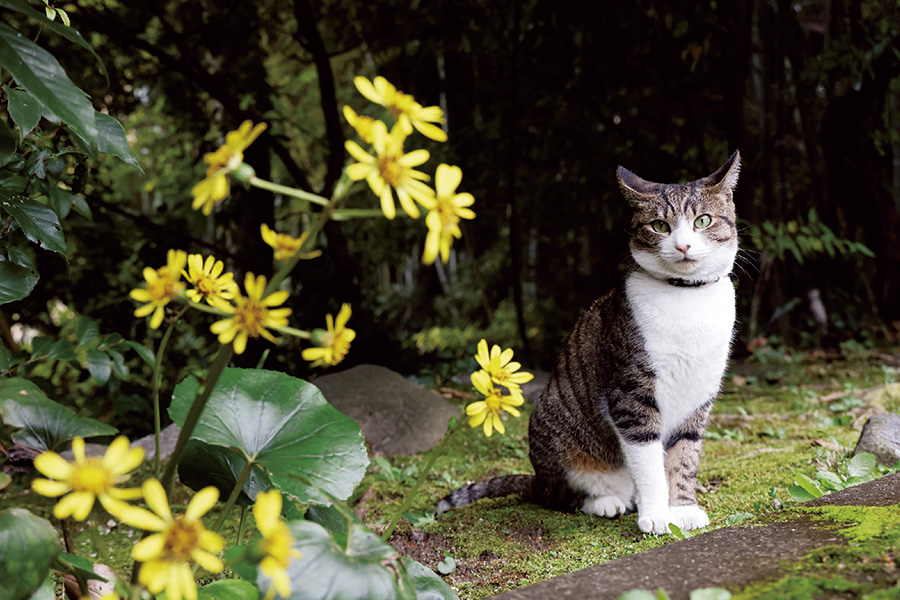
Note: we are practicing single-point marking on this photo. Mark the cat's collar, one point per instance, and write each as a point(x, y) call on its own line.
point(690, 283)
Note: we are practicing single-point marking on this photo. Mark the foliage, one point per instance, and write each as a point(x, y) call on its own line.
point(802, 239)
point(851, 471)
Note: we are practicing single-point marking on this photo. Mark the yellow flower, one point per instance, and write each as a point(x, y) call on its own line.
point(209, 282)
point(87, 479)
point(178, 540)
point(403, 107)
point(391, 168)
point(284, 245)
point(223, 161)
point(277, 543)
point(252, 314)
point(487, 412)
point(497, 365)
point(446, 209)
point(333, 344)
point(163, 285)
point(361, 123)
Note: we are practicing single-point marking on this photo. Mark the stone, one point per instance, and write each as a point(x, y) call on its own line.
point(881, 437)
point(167, 438)
point(397, 416)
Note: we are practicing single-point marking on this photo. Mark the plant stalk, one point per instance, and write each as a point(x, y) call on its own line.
point(157, 383)
point(287, 191)
point(203, 393)
point(232, 498)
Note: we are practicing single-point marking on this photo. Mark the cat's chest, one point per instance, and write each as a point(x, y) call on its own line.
point(687, 334)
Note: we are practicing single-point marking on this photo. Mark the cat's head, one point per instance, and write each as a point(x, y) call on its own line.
point(684, 230)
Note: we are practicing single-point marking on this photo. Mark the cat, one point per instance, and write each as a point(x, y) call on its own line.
point(620, 424)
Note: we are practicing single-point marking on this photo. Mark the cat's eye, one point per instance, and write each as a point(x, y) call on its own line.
point(702, 222)
point(660, 226)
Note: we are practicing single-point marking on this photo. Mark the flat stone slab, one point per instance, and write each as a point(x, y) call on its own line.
point(397, 416)
point(729, 557)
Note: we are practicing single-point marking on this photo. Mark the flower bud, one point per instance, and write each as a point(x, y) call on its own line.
point(243, 173)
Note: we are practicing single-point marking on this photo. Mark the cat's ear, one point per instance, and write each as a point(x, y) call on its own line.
point(636, 190)
point(726, 177)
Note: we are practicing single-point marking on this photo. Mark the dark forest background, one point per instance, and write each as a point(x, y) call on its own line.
point(543, 100)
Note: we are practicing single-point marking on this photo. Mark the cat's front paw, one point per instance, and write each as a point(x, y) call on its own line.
point(656, 521)
point(689, 517)
point(606, 506)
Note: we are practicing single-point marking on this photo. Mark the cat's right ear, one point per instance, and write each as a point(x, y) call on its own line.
point(636, 190)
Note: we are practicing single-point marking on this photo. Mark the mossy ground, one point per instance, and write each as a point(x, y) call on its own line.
point(771, 422)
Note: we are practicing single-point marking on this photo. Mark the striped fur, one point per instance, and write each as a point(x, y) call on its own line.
point(620, 424)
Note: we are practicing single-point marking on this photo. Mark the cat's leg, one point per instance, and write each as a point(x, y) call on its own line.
point(638, 424)
point(682, 461)
point(609, 494)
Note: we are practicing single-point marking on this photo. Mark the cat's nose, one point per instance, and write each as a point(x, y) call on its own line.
point(683, 248)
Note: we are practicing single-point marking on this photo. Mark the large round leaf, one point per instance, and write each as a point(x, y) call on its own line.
point(229, 589)
point(365, 568)
point(28, 545)
point(45, 425)
point(203, 465)
point(285, 425)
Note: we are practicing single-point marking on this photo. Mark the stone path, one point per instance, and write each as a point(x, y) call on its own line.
point(729, 557)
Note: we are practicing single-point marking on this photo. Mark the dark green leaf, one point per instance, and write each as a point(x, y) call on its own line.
point(234, 558)
point(428, 584)
point(47, 591)
point(110, 139)
point(63, 30)
point(38, 71)
point(22, 257)
point(8, 144)
point(143, 351)
point(78, 567)
point(229, 589)
point(99, 364)
point(28, 546)
point(367, 568)
point(81, 207)
point(283, 424)
point(45, 425)
point(35, 164)
point(61, 200)
point(16, 282)
point(24, 110)
point(119, 368)
point(61, 350)
point(86, 331)
point(5, 357)
point(203, 464)
point(38, 222)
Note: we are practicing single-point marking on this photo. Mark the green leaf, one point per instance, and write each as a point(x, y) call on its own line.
point(143, 351)
point(16, 282)
point(61, 200)
point(24, 110)
point(861, 465)
point(38, 222)
point(830, 480)
point(203, 464)
point(109, 139)
point(5, 480)
point(78, 567)
point(366, 568)
point(99, 365)
point(119, 368)
point(8, 144)
point(228, 589)
point(47, 591)
point(6, 356)
point(446, 566)
point(40, 73)
point(678, 533)
point(64, 30)
point(45, 425)
point(738, 517)
point(429, 586)
point(809, 486)
point(283, 424)
point(639, 595)
point(86, 331)
point(28, 546)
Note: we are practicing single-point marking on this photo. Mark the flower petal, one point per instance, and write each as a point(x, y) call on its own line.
point(200, 504)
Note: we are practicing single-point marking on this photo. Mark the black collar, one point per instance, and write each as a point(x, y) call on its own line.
point(689, 283)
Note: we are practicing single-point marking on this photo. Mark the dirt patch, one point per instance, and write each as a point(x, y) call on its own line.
point(531, 537)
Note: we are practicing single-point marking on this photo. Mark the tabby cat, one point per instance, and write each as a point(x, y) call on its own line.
point(620, 423)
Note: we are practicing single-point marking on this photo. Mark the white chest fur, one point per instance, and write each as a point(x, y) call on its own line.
point(687, 334)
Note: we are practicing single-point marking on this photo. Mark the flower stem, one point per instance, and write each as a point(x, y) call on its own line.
point(235, 492)
point(203, 393)
point(287, 191)
point(242, 524)
point(157, 383)
point(433, 454)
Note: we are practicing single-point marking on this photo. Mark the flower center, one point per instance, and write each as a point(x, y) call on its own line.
point(206, 286)
point(391, 170)
point(250, 317)
point(494, 405)
point(446, 212)
point(92, 477)
point(181, 539)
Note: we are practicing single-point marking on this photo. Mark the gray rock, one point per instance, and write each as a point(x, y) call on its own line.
point(881, 437)
point(167, 438)
point(396, 416)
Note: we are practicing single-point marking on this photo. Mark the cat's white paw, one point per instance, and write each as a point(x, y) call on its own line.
point(689, 517)
point(605, 506)
point(656, 521)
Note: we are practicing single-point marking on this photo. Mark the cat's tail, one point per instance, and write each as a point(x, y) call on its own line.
point(496, 487)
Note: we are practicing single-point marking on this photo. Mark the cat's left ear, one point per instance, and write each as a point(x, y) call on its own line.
point(726, 177)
